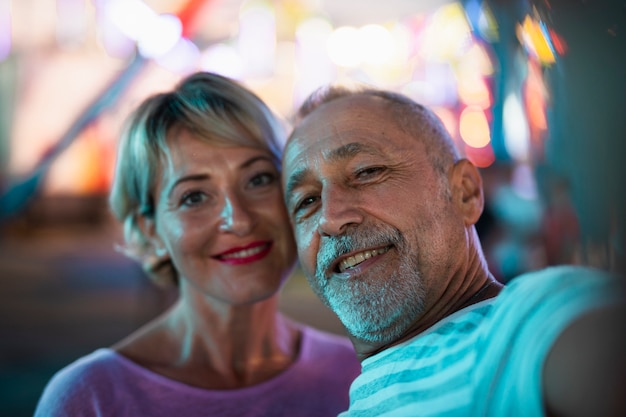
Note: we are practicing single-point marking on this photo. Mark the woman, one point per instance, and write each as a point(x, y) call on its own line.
point(197, 188)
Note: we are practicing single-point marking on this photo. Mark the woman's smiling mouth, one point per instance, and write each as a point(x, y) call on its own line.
point(244, 255)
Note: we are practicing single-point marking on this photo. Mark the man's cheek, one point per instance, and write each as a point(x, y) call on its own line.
point(306, 249)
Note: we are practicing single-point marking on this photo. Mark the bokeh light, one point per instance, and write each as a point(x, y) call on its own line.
point(223, 59)
point(160, 34)
point(5, 29)
point(474, 127)
point(256, 40)
point(535, 37)
point(344, 48)
point(515, 128)
point(376, 45)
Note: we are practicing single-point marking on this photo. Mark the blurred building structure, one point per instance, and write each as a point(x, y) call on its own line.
point(526, 90)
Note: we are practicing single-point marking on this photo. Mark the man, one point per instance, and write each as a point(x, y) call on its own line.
point(383, 210)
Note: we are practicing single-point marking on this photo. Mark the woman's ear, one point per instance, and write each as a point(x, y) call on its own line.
point(466, 186)
point(147, 227)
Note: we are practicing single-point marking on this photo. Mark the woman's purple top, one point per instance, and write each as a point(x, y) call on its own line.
point(105, 383)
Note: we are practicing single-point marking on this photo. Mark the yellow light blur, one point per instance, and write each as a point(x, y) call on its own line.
point(533, 37)
point(476, 60)
point(447, 34)
point(474, 128)
point(315, 30)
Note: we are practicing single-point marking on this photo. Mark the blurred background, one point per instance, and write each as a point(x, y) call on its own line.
point(532, 92)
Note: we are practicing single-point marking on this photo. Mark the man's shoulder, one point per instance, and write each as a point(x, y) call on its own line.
point(549, 299)
point(557, 279)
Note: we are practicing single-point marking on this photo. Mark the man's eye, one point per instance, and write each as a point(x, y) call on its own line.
point(369, 172)
point(305, 202)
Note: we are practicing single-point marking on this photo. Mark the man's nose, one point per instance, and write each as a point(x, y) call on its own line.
point(235, 216)
point(340, 209)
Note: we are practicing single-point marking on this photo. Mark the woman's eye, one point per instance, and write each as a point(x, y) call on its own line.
point(193, 198)
point(262, 179)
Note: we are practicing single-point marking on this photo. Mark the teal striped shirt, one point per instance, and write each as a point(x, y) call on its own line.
point(484, 360)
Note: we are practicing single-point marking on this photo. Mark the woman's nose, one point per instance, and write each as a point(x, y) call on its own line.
point(235, 216)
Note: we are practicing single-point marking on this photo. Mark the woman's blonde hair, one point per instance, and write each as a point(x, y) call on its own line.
point(216, 109)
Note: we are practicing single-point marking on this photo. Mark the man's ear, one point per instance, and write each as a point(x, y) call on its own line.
point(466, 186)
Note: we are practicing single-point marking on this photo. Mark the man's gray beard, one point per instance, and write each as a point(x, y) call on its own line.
point(374, 309)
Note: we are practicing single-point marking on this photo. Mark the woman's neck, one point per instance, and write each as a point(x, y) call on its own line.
point(218, 346)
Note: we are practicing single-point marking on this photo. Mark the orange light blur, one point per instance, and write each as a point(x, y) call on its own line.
point(474, 127)
point(473, 91)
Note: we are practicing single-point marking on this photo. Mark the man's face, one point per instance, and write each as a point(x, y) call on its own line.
point(374, 226)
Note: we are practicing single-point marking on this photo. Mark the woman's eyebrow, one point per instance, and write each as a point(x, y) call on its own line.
point(193, 177)
point(255, 159)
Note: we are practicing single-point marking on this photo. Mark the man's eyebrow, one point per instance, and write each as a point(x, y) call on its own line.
point(295, 179)
point(339, 154)
point(350, 150)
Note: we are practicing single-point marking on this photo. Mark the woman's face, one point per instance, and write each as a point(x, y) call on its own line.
point(220, 215)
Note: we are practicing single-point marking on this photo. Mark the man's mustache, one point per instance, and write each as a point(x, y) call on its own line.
point(354, 240)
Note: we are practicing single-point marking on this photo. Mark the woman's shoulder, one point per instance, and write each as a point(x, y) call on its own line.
point(88, 367)
point(72, 386)
point(90, 370)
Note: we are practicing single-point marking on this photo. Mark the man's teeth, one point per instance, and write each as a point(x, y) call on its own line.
point(352, 261)
point(244, 253)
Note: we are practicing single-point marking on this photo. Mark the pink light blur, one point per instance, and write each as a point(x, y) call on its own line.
point(5, 29)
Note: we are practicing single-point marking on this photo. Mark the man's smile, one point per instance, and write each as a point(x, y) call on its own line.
point(359, 257)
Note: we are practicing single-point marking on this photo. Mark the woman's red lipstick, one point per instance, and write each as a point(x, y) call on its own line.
point(245, 254)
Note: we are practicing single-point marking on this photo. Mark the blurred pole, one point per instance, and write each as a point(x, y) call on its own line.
point(587, 142)
point(16, 195)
